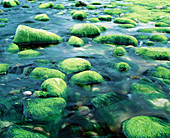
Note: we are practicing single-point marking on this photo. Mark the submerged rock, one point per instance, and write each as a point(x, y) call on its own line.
point(85, 30)
point(39, 109)
point(80, 15)
point(119, 51)
point(46, 73)
point(116, 39)
point(45, 5)
point(145, 126)
point(158, 38)
point(122, 66)
point(4, 68)
point(41, 17)
point(157, 53)
point(12, 48)
point(28, 36)
point(29, 53)
point(73, 65)
point(86, 77)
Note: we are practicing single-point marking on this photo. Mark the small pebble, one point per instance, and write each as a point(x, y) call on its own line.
point(27, 93)
point(84, 110)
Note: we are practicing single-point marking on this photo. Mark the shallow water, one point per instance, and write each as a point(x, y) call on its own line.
point(99, 55)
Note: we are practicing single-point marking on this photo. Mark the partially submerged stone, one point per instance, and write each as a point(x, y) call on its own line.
point(96, 3)
point(80, 3)
point(116, 39)
point(73, 65)
point(3, 20)
point(80, 15)
point(40, 109)
point(85, 30)
point(42, 73)
point(3, 68)
point(29, 53)
point(102, 28)
point(9, 3)
point(41, 17)
point(59, 6)
point(86, 77)
point(141, 37)
point(122, 66)
point(75, 41)
point(124, 21)
point(145, 126)
point(91, 7)
point(155, 29)
point(126, 26)
point(105, 17)
point(12, 48)
point(94, 20)
point(45, 5)
point(149, 43)
point(29, 36)
point(161, 24)
point(157, 53)
point(55, 87)
point(119, 51)
point(158, 38)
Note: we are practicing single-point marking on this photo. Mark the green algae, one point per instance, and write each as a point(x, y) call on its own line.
point(91, 7)
point(119, 51)
point(41, 73)
point(3, 68)
point(96, 3)
point(114, 12)
point(80, 3)
point(80, 15)
point(155, 29)
point(75, 41)
point(73, 65)
point(59, 6)
point(116, 39)
point(141, 37)
point(126, 26)
point(150, 43)
point(105, 18)
point(41, 17)
point(158, 38)
point(3, 20)
point(28, 53)
point(102, 28)
point(124, 21)
point(45, 5)
point(122, 66)
point(12, 48)
point(94, 20)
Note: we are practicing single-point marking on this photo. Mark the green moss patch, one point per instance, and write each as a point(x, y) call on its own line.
point(80, 4)
point(105, 17)
point(9, 3)
point(161, 24)
point(102, 28)
point(91, 7)
point(3, 68)
point(59, 6)
point(114, 12)
point(3, 20)
point(75, 41)
point(155, 29)
point(149, 43)
point(126, 26)
point(116, 39)
point(41, 17)
point(158, 38)
point(12, 48)
point(94, 20)
point(119, 51)
point(45, 5)
point(122, 66)
point(29, 53)
point(73, 65)
point(80, 15)
point(124, 21)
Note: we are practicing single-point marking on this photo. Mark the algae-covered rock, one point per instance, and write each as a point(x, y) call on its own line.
point(41, 17)
point(46, 73)
point(141, 37)
point(12, 48)
point(28, 36)
point(158, 38)
point(73, 65)
point(85, 30)
point(9, 3)
point(80, 3)
point(80, 15)
point(126, 26)
point(59, 6)
point(55, 86)
point(157, 53)
point(15, 131)
point(40, 109)
point(149, 43)
point(105, 17)
point(45, 5)
point(96, 3)
point(3, 20)
point(124, 21)
point(75, 41)
point(29, 53)
point(94, 20)
point(119, 51)
point(146, 127)
point(161, 24)
point(116, 39)
point(102, 28)
point(2, 25)
point(91, 7)
point(43, 94)
point(86, 77)
point(25, 6)
point(3, 68)
point(122, 66)
point(155, 29)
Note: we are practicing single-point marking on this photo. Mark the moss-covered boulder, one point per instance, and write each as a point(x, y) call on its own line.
point(29, 53)
point(12, 48)
point(41, 17)
point(91, 7)
point(2, 25)
point(73, 65)
point(59, 6)
point(85, 30)
point(75, 41)
point(25, 6)
point(15, 131)
point(56, 87)
point(157, 53)
point(3, 20)
point(9, 3)
point(126, 26)
point(149, 43)
point(80, 4)
point(94, 20)
point(29, 36)
point(161, 24)
point(145, 127)
point(116, 39)
point(46, 73)
point(122, 66)
point(45, 5)
point(141, 37)
point(119, 51)
point(105, 17)
point(86, 77)
point(155, 29)
point(80, 15)
point(158, 38)
point(124, 21)
point(3, 68)
point(40, 109)
point(102, 28)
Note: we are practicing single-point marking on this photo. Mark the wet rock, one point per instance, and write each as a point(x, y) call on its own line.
point(94, 20)
point(84, 110)
point(80, 4)
point(124, 21)
point(149, 43)
point(26, 35)
point(12, 48)
point(29, 53)
point(122, 66)
point(2, 25)
point(141, 37)
point(41, 17)
point(91, 7)
point(157, 53)
point(119, 51)
point(27, 93)
point(3, 68)
point(42, 73)
point(73, 65)
point(91, 134)
point(9, 3)
point(3, 20)
point(161, 24)
point(79, 15)
point(96, 3)
point(149, 127)
point(155, 29)
point(59, 6)
point(75, 41)
point(38, 129)
point(56, 87)
point(44, 109)
point(126, 26)
point(45, 5)
point(86, 77)
point(158, 38)
point(102, 28)
point(85, 30)
point(116, 39)
point(25, 6)
point(105, 17)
